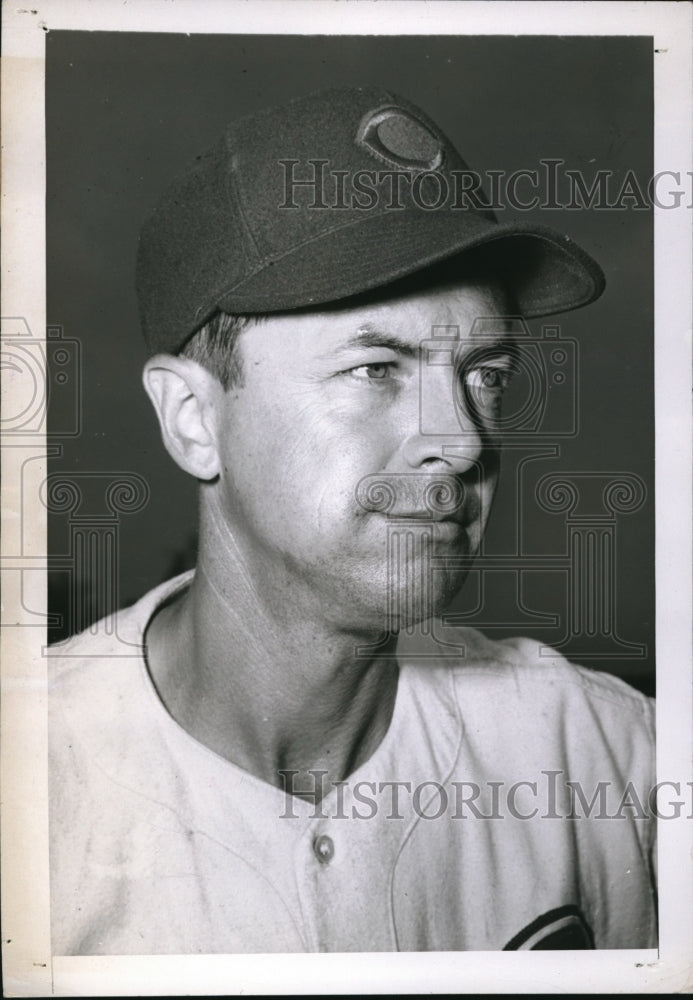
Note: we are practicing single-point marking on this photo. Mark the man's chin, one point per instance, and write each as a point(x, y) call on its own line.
point(384, 600)
point(415, 617)
point(413, 605)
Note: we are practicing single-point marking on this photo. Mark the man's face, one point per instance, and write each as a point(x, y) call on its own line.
point(359, 454)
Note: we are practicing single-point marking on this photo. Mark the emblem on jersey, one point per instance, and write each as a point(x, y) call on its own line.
point(395, 136)
point(562, 929)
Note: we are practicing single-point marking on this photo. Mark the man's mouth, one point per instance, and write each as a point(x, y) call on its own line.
point(419, 497)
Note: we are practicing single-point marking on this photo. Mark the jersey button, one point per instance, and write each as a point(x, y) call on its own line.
point(323, 848)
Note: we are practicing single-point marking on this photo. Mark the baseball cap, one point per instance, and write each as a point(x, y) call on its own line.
point(329, 196)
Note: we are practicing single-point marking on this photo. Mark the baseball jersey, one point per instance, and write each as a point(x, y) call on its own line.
point(505, 808)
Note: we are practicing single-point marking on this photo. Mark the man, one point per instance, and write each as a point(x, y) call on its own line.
point(247, 765)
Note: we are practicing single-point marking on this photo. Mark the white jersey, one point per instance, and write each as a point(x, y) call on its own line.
point(506, 807)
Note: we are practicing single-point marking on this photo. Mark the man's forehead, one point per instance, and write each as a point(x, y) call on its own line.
point(456, 309)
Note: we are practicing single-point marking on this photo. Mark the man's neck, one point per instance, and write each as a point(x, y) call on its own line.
point(276, 694)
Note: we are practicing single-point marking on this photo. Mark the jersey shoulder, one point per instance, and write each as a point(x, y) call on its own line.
point(517, 693)
point(117, 637)
point(542, 674)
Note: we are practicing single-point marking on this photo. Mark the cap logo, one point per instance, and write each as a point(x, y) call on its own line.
point(398, 138)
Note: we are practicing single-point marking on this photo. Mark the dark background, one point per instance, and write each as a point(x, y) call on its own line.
point(127, 112)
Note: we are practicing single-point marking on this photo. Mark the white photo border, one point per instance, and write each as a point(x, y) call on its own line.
point(29, 967)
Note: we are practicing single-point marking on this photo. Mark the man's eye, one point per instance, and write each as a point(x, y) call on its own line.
point(484, 387)
point(490, 379)
point(374, 372)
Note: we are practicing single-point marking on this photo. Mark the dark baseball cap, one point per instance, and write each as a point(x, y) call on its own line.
point(329, 196)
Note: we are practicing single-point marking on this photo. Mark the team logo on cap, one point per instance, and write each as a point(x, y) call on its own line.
point(398, 138)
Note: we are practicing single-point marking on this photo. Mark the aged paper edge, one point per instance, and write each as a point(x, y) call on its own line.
point(29, 968)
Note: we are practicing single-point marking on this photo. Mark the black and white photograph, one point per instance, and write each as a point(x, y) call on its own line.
point(346, 558)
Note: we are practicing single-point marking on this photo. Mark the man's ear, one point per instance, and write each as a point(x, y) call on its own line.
point(184, 395)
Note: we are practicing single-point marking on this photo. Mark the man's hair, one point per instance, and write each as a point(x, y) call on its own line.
point(215, 347)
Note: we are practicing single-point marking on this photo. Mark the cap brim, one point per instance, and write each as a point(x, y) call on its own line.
point(546, 271)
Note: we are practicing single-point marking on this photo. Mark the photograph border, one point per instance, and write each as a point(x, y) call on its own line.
point(29, 967)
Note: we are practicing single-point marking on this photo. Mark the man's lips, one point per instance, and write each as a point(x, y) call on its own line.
point(426, 517)
point(419, 497)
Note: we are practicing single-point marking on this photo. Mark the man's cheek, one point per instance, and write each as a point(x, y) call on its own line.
point(323, 451)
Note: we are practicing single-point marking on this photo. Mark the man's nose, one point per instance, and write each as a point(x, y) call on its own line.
point(440, 433)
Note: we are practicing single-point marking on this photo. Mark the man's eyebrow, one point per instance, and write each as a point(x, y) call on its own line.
point(374, 338)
